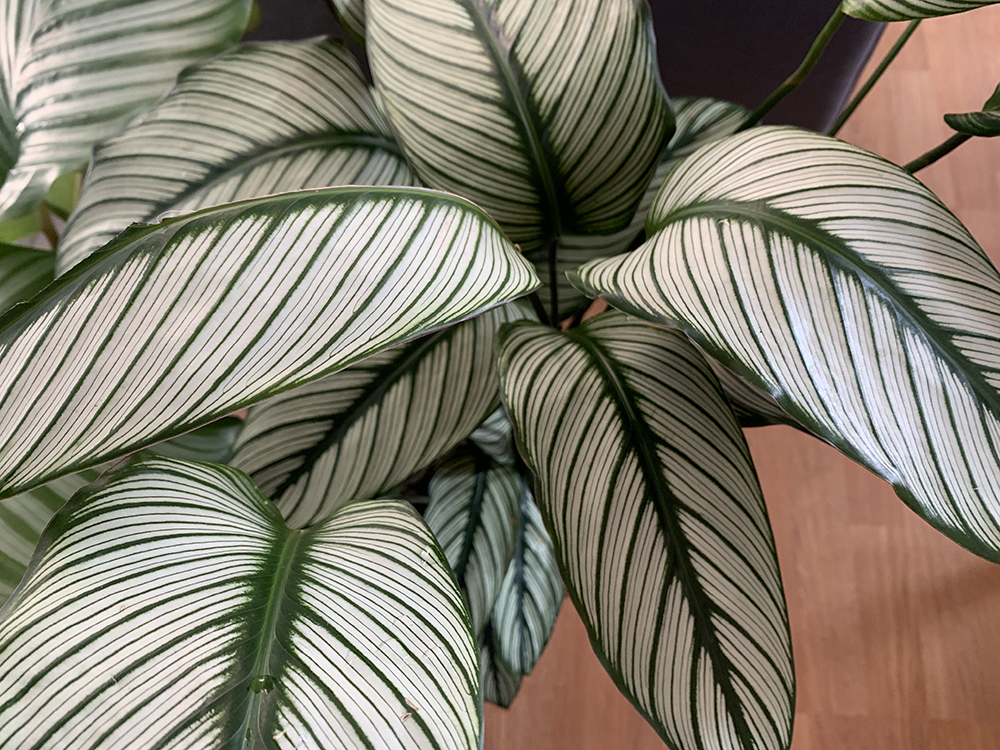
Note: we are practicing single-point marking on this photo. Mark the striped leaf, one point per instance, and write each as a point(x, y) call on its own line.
point(495, 437)
point(263, 118)
point(178, 324)
point(221, 627)
point(646, 484)
point(214, 442)
point(22, 519)
point(530, 596)
point(838, 283)
point(752, 406)
point(24, 272)
point(473, 512)
point(361, 431)
point(548, 114)
point(498, 686)
point(907, 10)
point(72, 73)
point(351, 14)
point(985, 124)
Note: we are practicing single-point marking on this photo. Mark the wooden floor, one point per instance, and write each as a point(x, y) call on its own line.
point(896, 629)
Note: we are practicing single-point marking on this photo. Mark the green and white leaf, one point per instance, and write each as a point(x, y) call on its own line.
point(351, 14)
point(221, 627)
point(22, 519)
point(551, 118)
point(72, 73)
point(213, 443)
point(531, 594)
point(752, 406)
point(24, 271)
point(360, 432)
point(179, 324)
point(263, 118)
point(498, 686)
point(908, 10)
point(495, 437)
point(838, 283)
point(985, 124)
point(473, 512)
point(659, 526)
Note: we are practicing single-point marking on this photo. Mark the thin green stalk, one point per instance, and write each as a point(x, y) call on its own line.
point(873, 78)
point(937, 152)
point(796, 78)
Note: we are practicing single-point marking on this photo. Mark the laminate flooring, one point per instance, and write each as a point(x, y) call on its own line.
point(896, 629)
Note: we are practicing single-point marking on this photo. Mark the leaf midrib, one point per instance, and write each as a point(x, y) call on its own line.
point(838, 254)
point(641, 439)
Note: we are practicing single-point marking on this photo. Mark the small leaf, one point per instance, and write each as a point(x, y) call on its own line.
point(835, 281)
point(24, 272)
point(263, 118)
point(73, 73)
point(351, 14)
point(213, 443)
point(495, 438)
point(473, 512)
point(221, 627)
point(908, 10)
point(176, 325)
point(647, 486)
point(985, 124)
point(499, 686)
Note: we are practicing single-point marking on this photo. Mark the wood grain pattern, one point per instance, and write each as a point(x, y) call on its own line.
point(894, 626)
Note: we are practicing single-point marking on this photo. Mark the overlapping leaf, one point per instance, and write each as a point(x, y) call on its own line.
point(498, 686)
point(24, 272)
point(659, 525)
point(837, 282)
point(351, 14)
point(495, 437)
point(985, 124)
point(179, 324)
point(551, 117)
point(73, 73)
point(221, 627)
point(473, 512)
point(530, 596)
point(263, 118)
point(363, 430)
point(907, 10)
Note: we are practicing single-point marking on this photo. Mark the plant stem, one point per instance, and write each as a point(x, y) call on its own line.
point(536, 302)
point(796, 78)
point(937, 152)
point(873, 78)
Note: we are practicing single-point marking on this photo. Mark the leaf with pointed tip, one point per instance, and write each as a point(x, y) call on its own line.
point(24, 272)
point(530, 596)
point(73, 73)
point(837, 282)
point(221, 627)
point(498, 686)
point(985, 124)
point(659, 526)
point(176, 325)
point(551, 117)
point(908, 10)
point(495, 437)
point(22, 519)
point(473, 512)
point(361, 431)
point(263, 118)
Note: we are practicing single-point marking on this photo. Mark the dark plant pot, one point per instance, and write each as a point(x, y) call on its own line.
point(728, 49)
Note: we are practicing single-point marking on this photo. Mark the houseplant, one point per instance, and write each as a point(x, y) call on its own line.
point(132, 619)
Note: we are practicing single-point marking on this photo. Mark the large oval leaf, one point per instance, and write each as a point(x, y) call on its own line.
point(73, 73)
point(550, 115)
point(263, 118)
point(223, 628)
point(178, 324)
point(908, 10)
point(361, 431)
point(659, 526)
point(838, 283)
point(473, 512)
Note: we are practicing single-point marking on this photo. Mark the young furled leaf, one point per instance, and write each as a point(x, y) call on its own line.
point(221, 627)
point(179, 324)
point(864, 307)
point(659, 526)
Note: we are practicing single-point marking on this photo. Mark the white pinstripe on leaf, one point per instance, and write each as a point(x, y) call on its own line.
point(837, 282)
point(361, 431)
point(221, 627)
point(178, 324)
point(906, 10)
point(73, 72)
point(659, 526)
point(263, 118)
point(351, 14)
